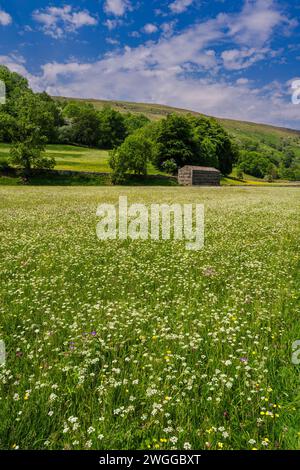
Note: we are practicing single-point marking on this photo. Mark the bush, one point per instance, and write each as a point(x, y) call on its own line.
point(169, 166)
point(269, 178)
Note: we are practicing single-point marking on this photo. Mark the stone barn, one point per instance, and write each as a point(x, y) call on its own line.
point(199, 175)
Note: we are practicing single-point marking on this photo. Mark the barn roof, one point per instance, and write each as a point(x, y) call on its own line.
point(200, 168)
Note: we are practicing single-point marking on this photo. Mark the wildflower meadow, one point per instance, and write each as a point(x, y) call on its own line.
point(124, 344)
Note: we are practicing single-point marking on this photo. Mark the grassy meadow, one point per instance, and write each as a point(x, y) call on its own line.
point(69, 157)
point(144, 345)
point(81, 159)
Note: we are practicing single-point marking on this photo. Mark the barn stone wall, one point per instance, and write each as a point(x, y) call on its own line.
point(185, 176)
point(189, 176)
point(209, 178)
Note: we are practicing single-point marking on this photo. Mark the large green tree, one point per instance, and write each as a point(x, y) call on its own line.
point(86, 128)
point(132, 156)
point(29, 137)
point(214, 146)
point(112, 128)
point(174, 140)
point(44, 111)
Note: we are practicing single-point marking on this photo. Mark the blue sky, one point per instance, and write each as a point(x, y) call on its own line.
point(226, 58)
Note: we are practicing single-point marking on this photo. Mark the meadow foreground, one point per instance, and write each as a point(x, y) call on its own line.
point(144, 345)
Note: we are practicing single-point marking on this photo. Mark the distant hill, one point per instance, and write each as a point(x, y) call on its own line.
point(158, 111)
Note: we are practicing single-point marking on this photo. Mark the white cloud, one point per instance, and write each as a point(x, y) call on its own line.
point(256, 22)
point(112, 24)
point(112, 42)
point(17, 63)
point(117, 7)
point(150, 28)
point(5, 18)
point(56, 21)
point(238, 59)
point(168, 28)
point(124, 76)
point(179, 6)
point(181, 70)
point(242, 81)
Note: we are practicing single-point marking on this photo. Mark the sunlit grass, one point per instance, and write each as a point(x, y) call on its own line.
point(73, 158)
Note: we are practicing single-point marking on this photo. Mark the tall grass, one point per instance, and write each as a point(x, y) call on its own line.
point(144, 345)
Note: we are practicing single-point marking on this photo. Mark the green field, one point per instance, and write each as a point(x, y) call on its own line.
point(69, 157)
point(145, 345)
point(73, 158)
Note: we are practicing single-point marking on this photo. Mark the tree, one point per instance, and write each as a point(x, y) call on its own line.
point(253, 163)
point(29, 139)
point(65, 135)
point(288, 157)
point(208, 153)
point(86, 128)
point(83, 125)
point(7, 126)
point(174, 141)
point(133, 122)
point(15, 85)
point(51, 107)
point(214, 144)
point(131, 157)
point(32, 108)
point(112, 128)
point(27, 150)
point(72, 109)
point(45, 111)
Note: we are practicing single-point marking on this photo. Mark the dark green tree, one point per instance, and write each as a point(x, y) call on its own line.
point(86, 128)
point(221, 152)
point(28, 138)
point(174, 140)
point(112, 128)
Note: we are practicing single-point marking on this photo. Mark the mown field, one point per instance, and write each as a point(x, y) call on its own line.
point(69, 157)
point(144, 345)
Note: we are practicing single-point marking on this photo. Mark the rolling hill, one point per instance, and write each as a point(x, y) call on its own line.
point(270, 133)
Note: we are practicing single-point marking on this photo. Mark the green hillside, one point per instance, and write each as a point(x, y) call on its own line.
point(271, 134)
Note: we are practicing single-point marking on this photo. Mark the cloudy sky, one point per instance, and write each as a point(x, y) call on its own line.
point(226, 58)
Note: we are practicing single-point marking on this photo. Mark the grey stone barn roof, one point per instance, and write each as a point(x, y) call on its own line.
point(200, 168)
